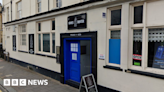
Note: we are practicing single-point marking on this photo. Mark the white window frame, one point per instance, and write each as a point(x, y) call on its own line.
point(21, 46)
point(39, 2)
point(51, 44)
point(134, 27)
point(109, 29)
point(144, 67)
point(19, 10)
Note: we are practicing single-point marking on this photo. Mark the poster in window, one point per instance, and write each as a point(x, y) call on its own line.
point(31, 43)
point(14, 43)
point(158, 61)
point(156, 48)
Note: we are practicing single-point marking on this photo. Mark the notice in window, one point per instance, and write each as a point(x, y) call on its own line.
point(156, 48)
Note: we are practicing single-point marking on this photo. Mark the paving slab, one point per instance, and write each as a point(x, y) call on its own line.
point(9, 70)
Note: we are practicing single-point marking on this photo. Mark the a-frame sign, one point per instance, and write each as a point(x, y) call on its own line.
point(88, 84)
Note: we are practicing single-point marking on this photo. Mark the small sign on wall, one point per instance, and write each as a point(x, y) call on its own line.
point(77, 21)
point(102, 56)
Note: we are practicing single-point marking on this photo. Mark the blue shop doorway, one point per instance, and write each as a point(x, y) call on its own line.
point(77, 58)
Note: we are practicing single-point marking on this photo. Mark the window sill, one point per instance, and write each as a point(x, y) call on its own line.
point(45, 55)
point(22, 51)
point(113, 67)
point(145, 73)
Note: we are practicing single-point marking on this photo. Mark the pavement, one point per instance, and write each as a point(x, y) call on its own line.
point(12, 71)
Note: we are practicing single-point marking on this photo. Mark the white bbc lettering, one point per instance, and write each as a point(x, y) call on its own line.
point(6, 82)
point(14, 82)
point(22, 82)
point(38, 82)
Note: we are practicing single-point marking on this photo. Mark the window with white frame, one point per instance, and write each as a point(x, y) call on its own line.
point(137, 31)
point(148, 42)
point(137, 47)
point(39, 5)
point(46, 40)
point(19, 9)
point(114, 36)
point(58, 3)
point(115, 47)
point(22, 35)
point(116, 17)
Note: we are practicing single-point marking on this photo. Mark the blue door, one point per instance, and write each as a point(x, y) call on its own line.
point(75, 61)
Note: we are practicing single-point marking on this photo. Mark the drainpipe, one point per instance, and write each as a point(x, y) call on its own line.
point(11, 10)
point(48, 5)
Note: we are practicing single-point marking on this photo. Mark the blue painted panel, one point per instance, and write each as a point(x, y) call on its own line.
point(69, 71)
point(114, 51)
point(75, 60)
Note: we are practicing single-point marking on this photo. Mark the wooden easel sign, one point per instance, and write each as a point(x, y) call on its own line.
point(88, 84)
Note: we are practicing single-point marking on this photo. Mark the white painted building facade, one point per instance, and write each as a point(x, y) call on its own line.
point(128, 34)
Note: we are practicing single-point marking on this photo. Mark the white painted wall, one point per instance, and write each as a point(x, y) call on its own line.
point(124, 82)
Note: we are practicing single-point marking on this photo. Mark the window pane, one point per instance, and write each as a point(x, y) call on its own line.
point(114, 47)
point(53, 25)
point(39, 26)
point(39, 42)
point(156, 48)
point(137, 47)
point(116, 17)
point(46, 42)
point(138, 14)
point(23, 42)
point(115, 34)
point(57, 3)
point(53, 43)
point(39, 7)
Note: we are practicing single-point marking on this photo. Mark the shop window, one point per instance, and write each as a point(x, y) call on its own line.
point(114, 47)
point(116, 17)
point(46, 42)
point(53, 42)
point(39, 42)
point(156, 48)
point(39, 26)
point(137, 47)
point(53, 25)
point(138, 14)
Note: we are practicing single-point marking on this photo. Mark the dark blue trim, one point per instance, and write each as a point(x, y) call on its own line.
point(145, 73)
point(66, 64)
point(113, 67)
point(53, 74)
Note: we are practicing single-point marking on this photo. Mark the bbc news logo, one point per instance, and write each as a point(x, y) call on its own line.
point(24, 82)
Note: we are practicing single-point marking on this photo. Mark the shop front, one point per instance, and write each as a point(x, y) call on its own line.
point(78, 56)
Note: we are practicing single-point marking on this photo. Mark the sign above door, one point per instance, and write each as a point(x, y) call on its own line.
point(77, 21)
